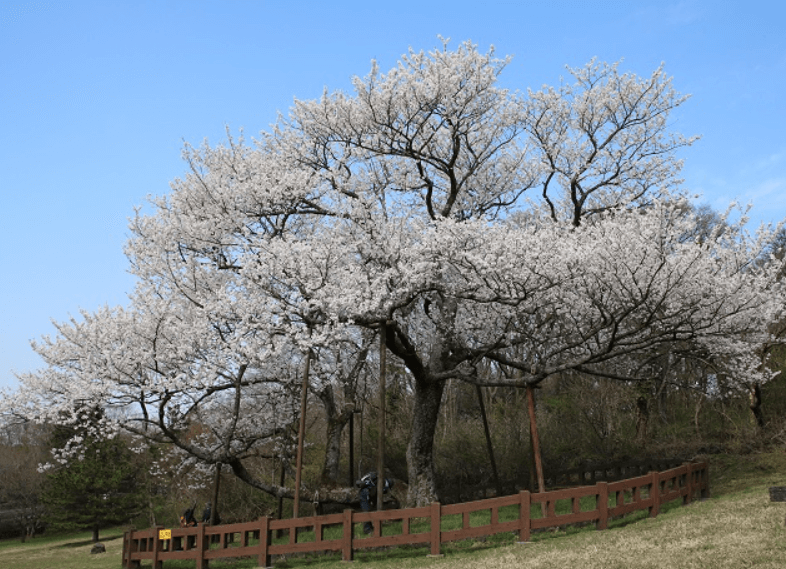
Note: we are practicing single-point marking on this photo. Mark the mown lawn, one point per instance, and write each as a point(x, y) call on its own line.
point(737, 527)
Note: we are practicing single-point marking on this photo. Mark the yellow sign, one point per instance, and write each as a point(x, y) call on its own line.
point(164, 534)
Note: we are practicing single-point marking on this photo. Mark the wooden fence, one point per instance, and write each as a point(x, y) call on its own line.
point(593, 472)
point(520, 513)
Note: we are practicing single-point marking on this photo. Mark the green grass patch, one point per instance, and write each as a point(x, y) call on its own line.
point(737, 527)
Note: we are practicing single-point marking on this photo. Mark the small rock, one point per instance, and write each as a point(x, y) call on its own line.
point(98, 548)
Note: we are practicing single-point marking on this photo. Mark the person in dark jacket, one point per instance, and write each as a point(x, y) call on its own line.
point(187, 519)
point(206, 515)
point(368, 494)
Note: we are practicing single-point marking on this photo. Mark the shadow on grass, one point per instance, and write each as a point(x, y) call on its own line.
point(89, 541)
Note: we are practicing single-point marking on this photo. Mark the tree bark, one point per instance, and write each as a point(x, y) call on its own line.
point(661, 391)
point(330, 469)
point(642, 419)
point(755, 406)
point(339, 495)
point(696, 415)
point(336, 421)
point(420, 452)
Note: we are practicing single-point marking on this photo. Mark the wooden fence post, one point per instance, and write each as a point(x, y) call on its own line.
point(125, 561)
point(346, 550)
point(655, 494)
point(705, 478)
point(525, 522)
point(263, 559)
point(603, 505)
point(436, 530)
point(133, 547)
point(156, 547)
point(201, 545)
point(688, 498)
point(696, 479)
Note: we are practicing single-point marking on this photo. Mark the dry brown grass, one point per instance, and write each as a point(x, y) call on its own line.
point(63, 553)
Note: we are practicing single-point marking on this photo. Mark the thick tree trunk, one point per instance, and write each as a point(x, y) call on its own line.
point(661, 394)
point(696, 416)
point(420, 452)
point(642, 419)
point(335, 427)
point(755, 406)
point(337, 419)
point(330, 469)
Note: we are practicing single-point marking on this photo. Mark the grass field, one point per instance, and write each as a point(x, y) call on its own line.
point(737, 527)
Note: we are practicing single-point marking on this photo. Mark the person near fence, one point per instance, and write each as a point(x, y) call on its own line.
point(187, 519)
point(368, 494)
point(206, 515)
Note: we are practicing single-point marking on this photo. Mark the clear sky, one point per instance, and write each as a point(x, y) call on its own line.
point(97, 98)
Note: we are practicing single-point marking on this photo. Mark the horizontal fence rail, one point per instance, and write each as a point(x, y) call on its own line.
point(433, 525)
point(592, 472)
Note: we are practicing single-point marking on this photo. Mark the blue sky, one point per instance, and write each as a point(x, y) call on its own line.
point(97, 98)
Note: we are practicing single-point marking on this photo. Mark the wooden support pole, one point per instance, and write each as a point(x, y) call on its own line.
point(301, 435)
point(533, 429)
point(280, 512)
point(216, 486)
point(381, 442)
point(497, 482)
point(351, 477)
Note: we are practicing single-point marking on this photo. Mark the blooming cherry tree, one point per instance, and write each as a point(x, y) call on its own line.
point(545, 232)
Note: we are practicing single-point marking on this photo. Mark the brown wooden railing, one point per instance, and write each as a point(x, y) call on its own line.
point(587, 504)
point(592, 472)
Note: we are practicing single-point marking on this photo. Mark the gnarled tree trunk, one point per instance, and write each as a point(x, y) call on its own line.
point(336, 421)
point(420, 452)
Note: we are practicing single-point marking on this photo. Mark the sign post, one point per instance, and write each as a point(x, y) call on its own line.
point(778, 494)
